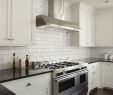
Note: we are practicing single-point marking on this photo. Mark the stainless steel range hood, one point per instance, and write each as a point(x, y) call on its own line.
point(51, 21)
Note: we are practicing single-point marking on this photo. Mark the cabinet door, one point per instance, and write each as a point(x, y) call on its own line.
point(38, 85)
point(83, 26)
point(4, 22)
point(42, 90)
point(87, 25)
point(21, 22)
point(108, 74)
point(94, 75)
point(91, 29)
point(104, 28)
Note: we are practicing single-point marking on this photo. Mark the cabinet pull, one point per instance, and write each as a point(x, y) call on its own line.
point(11, 39)
point(8, 39)
point(28, 84)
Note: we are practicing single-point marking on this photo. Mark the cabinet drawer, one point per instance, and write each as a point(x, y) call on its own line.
point(28, 83)
point(92, 67)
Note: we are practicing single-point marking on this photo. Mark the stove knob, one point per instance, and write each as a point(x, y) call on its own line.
point(83, 67)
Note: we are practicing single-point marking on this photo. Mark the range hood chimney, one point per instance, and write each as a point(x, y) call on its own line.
point(53, 19)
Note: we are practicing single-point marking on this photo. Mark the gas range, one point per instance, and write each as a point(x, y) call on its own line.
point(72, 79)
point(69, 78)
point(60, 68)
point(53, 66)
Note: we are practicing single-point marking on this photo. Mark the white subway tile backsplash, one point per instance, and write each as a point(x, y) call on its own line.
point(99, 51)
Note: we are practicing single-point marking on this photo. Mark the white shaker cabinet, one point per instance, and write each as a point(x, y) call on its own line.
point(21, 22)
point(107, 73)
point(15, 22)
point(94, 73)
point(104, 28)
point(87, 25)
point(5, 22)
point(35, 85)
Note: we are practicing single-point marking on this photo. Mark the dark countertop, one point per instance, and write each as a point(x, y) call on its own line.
point(92, 60)
point(10, 74)
point(5, 91)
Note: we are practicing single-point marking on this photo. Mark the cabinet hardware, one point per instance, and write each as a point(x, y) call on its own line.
point(8, 39)
point(28, 84)
point(11, 39)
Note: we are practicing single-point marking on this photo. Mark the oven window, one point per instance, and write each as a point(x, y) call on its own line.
point(66, 84)
point(82, 78)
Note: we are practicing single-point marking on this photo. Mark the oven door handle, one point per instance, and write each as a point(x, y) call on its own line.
point(83, 72)
point(64, 78)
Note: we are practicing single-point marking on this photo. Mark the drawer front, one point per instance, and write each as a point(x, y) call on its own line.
point(41, 90)
point(28, 83)
point(92, 67)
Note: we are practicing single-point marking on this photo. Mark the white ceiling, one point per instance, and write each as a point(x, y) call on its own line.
point(97, 4)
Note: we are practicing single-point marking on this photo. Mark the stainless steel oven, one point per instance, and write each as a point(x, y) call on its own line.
point(65, 85)
point(74, 83)
point(82, 79)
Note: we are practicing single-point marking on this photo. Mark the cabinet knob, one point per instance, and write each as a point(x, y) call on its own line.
point(28, 84)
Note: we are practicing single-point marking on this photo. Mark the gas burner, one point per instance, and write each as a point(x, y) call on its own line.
point(60, 65)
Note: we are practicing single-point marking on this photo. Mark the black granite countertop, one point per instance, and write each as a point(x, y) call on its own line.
point(91, 60)
point(5, 91)
point(10, 74)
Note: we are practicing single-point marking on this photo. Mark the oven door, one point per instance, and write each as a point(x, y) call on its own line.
point(82, 79)
point(65, 85)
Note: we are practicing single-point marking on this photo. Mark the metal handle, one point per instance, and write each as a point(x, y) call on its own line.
point(28, 84)
point(11, 39)
point(65, 78)
point(8, 39)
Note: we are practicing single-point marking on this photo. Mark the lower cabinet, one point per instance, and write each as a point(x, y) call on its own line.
point(100, 75)
point(107, 74)
point(36, 85)
point(94, 75)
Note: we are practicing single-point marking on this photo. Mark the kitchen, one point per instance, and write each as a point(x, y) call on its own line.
point(76, 47)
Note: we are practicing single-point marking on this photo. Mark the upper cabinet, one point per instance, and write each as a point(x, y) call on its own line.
point(96, 27)
point(4, 22)
point(21, 22)
point(15, 22)
point(87, 25)
point(86, 36)
point(104, 28)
